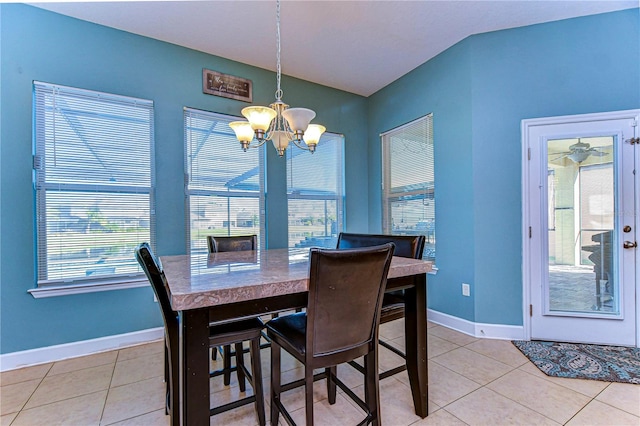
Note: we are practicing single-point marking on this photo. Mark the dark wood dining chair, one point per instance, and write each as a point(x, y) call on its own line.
point(233, 243)
point(410, 246)
point(340, 324)
point(219, 244)
point(230, 333)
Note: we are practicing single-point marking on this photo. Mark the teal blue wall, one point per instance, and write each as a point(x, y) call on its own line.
point(40, 45)
point(479, 91)
point(441, 86)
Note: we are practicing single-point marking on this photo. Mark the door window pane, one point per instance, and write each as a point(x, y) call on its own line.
point(581, 269)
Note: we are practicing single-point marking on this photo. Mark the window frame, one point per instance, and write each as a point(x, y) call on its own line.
point(339, 196)
point(46, 287)
point(388, 196)
point(234, 145)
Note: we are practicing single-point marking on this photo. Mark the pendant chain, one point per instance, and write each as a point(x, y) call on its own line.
point(278, 72)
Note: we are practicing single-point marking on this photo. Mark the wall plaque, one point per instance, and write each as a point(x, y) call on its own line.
point(227, 86)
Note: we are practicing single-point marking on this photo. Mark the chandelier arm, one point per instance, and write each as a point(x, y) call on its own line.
point(258, 145)
point(299, 145)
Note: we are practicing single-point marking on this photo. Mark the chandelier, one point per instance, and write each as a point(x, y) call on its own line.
point(277, 122)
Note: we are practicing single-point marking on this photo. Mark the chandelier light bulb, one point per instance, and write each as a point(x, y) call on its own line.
point(312, 136)
point(259, 117)
point(298, 119)
point(244, 132)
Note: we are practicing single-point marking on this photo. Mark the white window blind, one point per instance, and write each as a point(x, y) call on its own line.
point(408, 182)
point(224, 185)
point(94, 181)
point(315, 193)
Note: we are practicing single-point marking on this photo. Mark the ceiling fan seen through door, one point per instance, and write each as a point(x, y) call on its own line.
point(578, 152)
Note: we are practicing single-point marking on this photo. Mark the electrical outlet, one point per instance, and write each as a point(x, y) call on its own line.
point(466, 289)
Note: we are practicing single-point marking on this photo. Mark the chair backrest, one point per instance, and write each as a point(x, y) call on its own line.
point(410, 246)
point(345, 297)
point(152, 267)
point(235, 243)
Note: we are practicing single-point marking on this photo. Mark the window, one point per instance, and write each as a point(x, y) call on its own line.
point(408, 182)
point(315, 193)
point(224, 185)
point(94, 183)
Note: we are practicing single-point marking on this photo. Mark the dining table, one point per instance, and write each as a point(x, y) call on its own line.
point(206, 288)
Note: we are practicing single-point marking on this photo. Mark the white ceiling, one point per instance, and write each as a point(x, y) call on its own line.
point(356, 46)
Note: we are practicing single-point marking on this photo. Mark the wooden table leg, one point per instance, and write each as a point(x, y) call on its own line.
point(194, 367)
point(416, 343)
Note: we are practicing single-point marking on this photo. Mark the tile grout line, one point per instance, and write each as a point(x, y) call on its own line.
point(592, 400)
point(549, 379)
point(517, 402)
point(595, 398)
point(55, 402)
point(113, 372)
point(481, 386)
point(32, 393)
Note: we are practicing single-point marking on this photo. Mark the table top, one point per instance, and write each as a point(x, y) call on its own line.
point(198, 281)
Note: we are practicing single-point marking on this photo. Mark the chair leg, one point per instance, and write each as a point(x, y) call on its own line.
point(226, 364)
point(239, 370)
point(308, 398)
point(166, 378)
point(372, 385)
point(174, 385)
point(275, 383)
point(214, 354)
point(331, 384)
point(256, 371)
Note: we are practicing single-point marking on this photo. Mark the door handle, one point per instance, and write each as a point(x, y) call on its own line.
point(629, 244)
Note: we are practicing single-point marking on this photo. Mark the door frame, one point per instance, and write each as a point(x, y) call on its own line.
point(526, 124)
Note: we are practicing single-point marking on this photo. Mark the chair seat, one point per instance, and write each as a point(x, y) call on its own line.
point(289, 331)
point(231, 332)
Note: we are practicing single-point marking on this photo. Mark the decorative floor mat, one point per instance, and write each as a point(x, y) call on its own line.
point(580, 361)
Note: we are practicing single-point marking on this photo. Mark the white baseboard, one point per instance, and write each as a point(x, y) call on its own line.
point(30, 357)
point(37, 356)
point(479, 330)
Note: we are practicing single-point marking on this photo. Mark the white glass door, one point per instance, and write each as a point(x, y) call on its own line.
point(582, 202)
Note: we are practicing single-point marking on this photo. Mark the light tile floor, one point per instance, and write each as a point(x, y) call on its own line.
point(471, 381)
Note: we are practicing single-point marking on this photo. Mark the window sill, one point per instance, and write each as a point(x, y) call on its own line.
point(65, 290)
